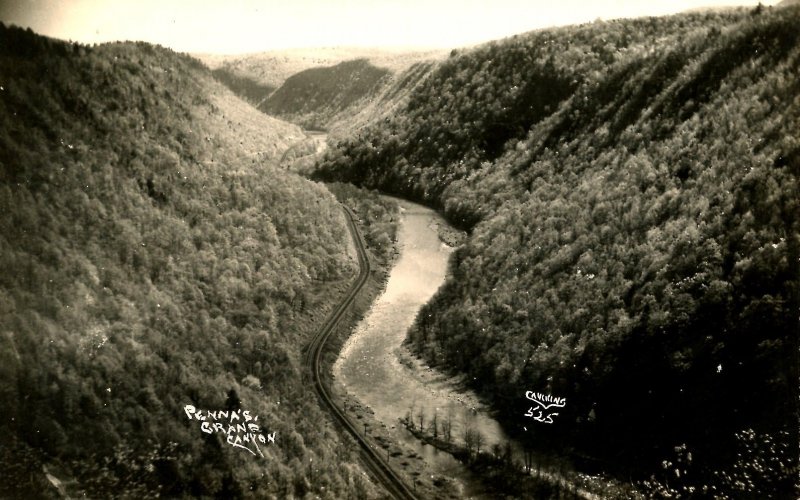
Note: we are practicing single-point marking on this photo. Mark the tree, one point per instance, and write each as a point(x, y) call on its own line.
point(410, 416)
point(447, 426)
point(233, 402)
point(473, 441)
point(479, 442)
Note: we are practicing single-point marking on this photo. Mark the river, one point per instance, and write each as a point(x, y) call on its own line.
point(375, 368)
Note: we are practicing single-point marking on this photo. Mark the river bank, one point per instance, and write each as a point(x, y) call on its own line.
point(378, 379)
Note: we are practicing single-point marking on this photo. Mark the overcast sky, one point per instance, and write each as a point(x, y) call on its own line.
point(239, 26)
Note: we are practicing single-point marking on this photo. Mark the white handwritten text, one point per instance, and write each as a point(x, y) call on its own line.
point(541, 410)
point(240, 428)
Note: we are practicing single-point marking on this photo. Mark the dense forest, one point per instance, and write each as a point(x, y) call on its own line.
point(333, 89)
point(381, 104)
point(246, 88)
point(311, 97)
point(273, 68)
point(632, 194)
point(153, 258)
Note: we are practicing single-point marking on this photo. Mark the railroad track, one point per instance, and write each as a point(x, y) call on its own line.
point(371, 458)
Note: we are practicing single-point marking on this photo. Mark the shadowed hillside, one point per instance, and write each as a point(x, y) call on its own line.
point(249, 90)
point(631, 188)
point(311, 97)
point(333, 89)
point(391, 96)
point(272, 68)
point(153, 258)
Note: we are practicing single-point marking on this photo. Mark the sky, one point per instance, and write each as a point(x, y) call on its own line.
point(243, 26)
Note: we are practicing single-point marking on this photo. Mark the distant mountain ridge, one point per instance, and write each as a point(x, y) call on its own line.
point(313, 96)
point(331, 89)
point(272, 68)
point(247, 89)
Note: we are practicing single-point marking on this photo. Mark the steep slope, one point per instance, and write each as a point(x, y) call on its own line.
point(392, 95)
point(336, 89)
point(153, 258)
point(249, 90)
point(632, 192)
point(341, 99)
point(311, 97)
point(273, 68)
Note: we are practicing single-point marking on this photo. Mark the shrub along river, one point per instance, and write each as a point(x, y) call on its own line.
point(375, 368)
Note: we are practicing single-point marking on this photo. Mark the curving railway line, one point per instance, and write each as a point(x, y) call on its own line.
point(371, 458)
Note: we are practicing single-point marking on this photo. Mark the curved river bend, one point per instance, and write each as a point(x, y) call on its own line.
point(369, 367)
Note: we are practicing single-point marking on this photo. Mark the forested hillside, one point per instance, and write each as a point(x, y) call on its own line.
point(152, 258)
point(249, 90)
point(631, 188)
point(383, 103)
point(312, 97)
point(272, 68)
point(336, 90)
